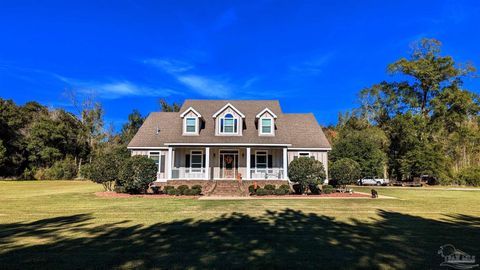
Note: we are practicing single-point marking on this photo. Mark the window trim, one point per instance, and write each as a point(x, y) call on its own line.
point(266, 161)
point(200, 169)
point(304, 154)
point(221, 121)
point(159, 158)
point(272, 126)
point(197, 124)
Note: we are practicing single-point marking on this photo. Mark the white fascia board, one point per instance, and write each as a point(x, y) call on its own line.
point(145, 147)
point(228, 144)
point(266, 110)
point(226, 106)
point(188, 110)
point(311, 149)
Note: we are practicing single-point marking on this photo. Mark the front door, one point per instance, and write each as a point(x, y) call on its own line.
point(228, 165)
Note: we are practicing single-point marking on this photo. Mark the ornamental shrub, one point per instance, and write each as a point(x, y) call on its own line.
point(314, 189)
point(104, 170)
point(166, 189)
point(136, 174)
point(281, 191)
point(182, 189)
point(171, 191)
point(251, 189)
point(327, 189)
point(155, 189)
point(306, 171)
point(269, 187)
point(261, 192)
point(285, 187)
point(199, 187)
point(345, 171)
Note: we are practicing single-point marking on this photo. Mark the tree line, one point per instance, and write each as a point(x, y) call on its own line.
point(422, 124)
point(38, 142)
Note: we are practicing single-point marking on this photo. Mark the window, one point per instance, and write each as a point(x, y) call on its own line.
point(228, 124)
point(261, 161)
point(196, 162)
point(155, 156)
point(266, 126)
point(190, 125)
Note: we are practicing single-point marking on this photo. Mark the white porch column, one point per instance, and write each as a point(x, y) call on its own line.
point(169, 163)
point(285, 163)
point(247, 177)
point(207, 163)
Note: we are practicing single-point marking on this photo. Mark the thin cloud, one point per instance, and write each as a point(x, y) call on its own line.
point(182, 72)
point(313, 66)
point(120, 89)
point(205, 86)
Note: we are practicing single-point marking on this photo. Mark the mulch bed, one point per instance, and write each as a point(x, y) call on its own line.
point(110, 194)
point(331, 195)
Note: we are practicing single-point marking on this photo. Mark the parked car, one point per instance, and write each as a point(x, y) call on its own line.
point(372, 181)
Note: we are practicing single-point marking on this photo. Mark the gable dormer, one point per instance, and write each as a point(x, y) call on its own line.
point(191, 122)
point(228, 121)
point(266, 122)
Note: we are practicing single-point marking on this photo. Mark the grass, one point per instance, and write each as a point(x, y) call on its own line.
point(62, 224)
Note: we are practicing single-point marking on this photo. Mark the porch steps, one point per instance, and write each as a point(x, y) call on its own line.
point(227, 188)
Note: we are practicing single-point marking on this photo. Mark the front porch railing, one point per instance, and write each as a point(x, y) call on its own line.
point(268, 174)
point(188, 173)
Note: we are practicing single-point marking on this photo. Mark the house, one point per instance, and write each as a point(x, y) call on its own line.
point(251, 140)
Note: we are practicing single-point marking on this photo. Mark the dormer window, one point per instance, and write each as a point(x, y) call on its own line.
point(266, 123)
point(228, 121)
point(266, 126)
point(191, 125)
point(191, 122)
point(228, 124)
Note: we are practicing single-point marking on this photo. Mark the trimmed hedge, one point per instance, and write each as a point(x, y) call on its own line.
point(327, 189)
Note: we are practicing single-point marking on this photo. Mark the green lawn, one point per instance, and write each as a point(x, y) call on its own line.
point(62, 224)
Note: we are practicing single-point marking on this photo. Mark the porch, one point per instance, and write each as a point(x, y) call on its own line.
point(225, 163)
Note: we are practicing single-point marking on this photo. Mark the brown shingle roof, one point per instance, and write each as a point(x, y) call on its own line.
point(299, 130)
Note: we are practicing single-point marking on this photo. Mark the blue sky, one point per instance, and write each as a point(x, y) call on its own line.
point(314, 56)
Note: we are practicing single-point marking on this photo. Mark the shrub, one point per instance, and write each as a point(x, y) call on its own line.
point(314, 189)
point(62, 169)
point(155, 189)
point(297, 189)
point(137, 173)
point(199, 187)
point(470, 176)
point(104, 170)
point(269, 187)
point(281, 191)
point(85, 171)
point(195, 191)
point(345, 171)
point(166, 189)
point(39, 174)
point(251, 189)
point(285, 187)
point(327, 189)
point(182, 189)
point(178, 192)
point(261, 192)
point(171, 191)
point(119, 189)
point(306, 171)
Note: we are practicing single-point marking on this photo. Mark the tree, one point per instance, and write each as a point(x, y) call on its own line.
point(426, 114)
point(166, 107)
point(345, 171)
point(306, 171)
point(129, 129)
point(137, 173)
point(365, 144)
point(104, 170)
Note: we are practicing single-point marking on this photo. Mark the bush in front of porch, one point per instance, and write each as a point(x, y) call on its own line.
point(306, 171)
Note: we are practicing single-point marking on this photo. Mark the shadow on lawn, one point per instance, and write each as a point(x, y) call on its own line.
point(285, 239)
